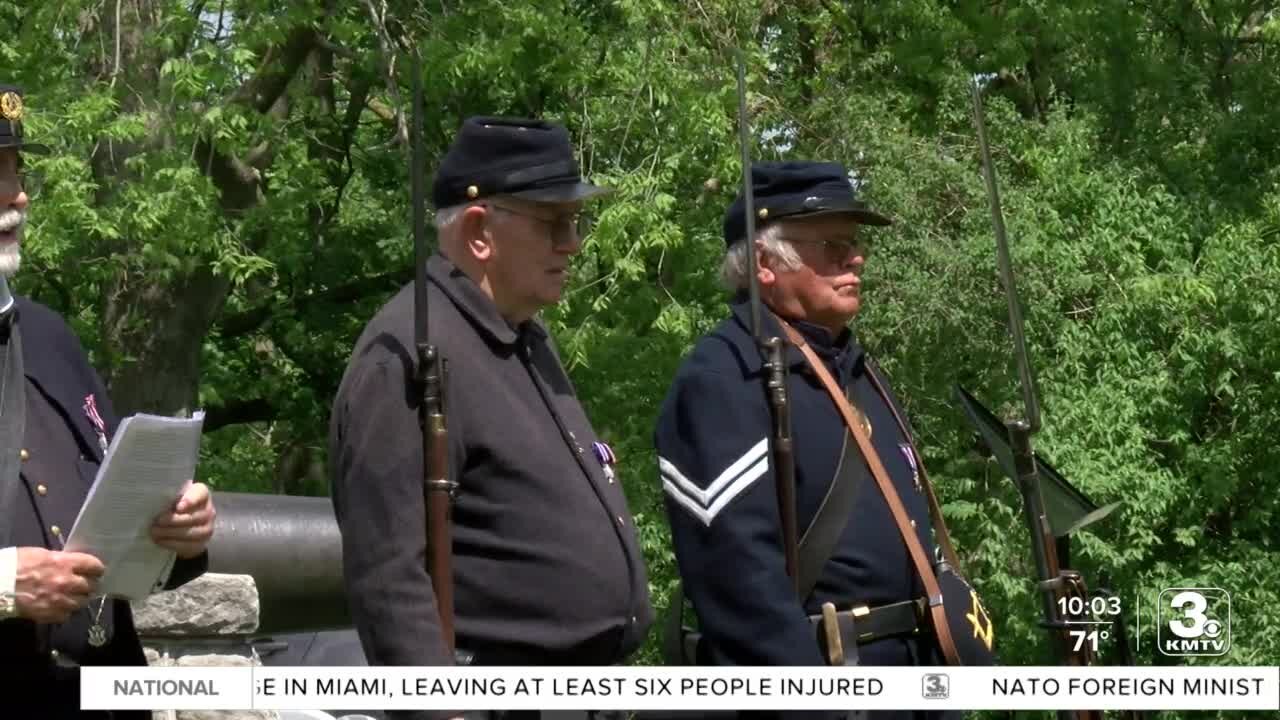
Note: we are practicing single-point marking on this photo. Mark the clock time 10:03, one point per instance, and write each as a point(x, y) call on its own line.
point(1075, 606)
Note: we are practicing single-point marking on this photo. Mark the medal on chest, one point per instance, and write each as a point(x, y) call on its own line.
point(604, 454)
point(99, 427)
point(910, 454)
point(98, 633)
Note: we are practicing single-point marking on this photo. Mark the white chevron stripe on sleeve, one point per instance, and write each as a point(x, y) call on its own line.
point(704, 497)
point(706, 504)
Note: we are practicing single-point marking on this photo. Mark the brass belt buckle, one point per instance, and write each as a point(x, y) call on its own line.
point(831, 627)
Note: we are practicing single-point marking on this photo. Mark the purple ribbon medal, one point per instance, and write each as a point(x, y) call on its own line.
point(607, 459)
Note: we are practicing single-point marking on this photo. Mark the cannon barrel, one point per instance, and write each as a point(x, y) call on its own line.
point(291, 546)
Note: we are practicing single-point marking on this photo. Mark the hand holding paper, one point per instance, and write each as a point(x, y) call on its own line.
point(188, 526)
point(150, 462)
point(50, 585)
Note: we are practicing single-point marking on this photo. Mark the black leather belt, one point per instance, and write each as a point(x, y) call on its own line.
point(857, 626)
point(862, 625)
point(840, 632)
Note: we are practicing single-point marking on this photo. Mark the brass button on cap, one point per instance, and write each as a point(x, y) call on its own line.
point(24, 455)
point(55, 530)
point(42, 490)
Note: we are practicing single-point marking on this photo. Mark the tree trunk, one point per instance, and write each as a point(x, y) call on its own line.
point(153, 327)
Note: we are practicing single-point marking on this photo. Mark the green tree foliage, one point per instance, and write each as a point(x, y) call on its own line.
point(228, 205)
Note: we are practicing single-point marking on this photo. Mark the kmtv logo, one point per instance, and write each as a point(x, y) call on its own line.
point(1194, 621)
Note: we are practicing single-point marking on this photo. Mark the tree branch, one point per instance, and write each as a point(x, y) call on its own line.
point(278, 68)
point(239, 181)
point(388, 51)
point(239, 412)
point(248, 321)
point(359, 92)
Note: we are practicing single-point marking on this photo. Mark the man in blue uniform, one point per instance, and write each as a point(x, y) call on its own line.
point(56, 422)
point(878, 561)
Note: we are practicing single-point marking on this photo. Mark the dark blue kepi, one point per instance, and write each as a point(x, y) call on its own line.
point(792, 189)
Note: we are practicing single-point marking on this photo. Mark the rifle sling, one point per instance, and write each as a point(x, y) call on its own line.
point(829, 522)
point(918, 555)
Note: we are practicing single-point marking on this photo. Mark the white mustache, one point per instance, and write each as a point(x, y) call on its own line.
point(12, 220)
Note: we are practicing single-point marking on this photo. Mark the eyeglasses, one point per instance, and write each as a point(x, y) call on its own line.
point(31, 181)
point(837, 249)
point(565, 227)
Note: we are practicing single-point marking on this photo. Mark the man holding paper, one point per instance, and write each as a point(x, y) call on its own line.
point(56, 423)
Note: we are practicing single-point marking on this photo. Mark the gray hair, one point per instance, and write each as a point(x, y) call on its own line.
point(734, 270)
point(447, 216)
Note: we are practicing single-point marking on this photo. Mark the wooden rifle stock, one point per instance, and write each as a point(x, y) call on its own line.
point(438, 489)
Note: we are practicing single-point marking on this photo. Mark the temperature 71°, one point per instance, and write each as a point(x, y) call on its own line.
point(1090, 636)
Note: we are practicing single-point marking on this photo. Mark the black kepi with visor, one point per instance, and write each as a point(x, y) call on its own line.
point(517, 157)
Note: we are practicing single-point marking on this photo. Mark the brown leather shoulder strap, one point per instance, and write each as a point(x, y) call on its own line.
point(918, 555)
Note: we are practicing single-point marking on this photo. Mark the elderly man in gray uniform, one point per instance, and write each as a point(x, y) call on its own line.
point(547, 566)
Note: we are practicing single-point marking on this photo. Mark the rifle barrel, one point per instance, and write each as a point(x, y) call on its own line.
point(1033, 513)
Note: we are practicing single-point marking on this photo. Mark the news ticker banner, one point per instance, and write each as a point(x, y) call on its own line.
point(681, 688)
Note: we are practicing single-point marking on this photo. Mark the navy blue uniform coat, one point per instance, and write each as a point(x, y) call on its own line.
point(59, 380)
point(720, 495)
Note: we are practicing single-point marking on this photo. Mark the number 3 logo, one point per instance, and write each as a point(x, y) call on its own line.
point(1192, 605)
